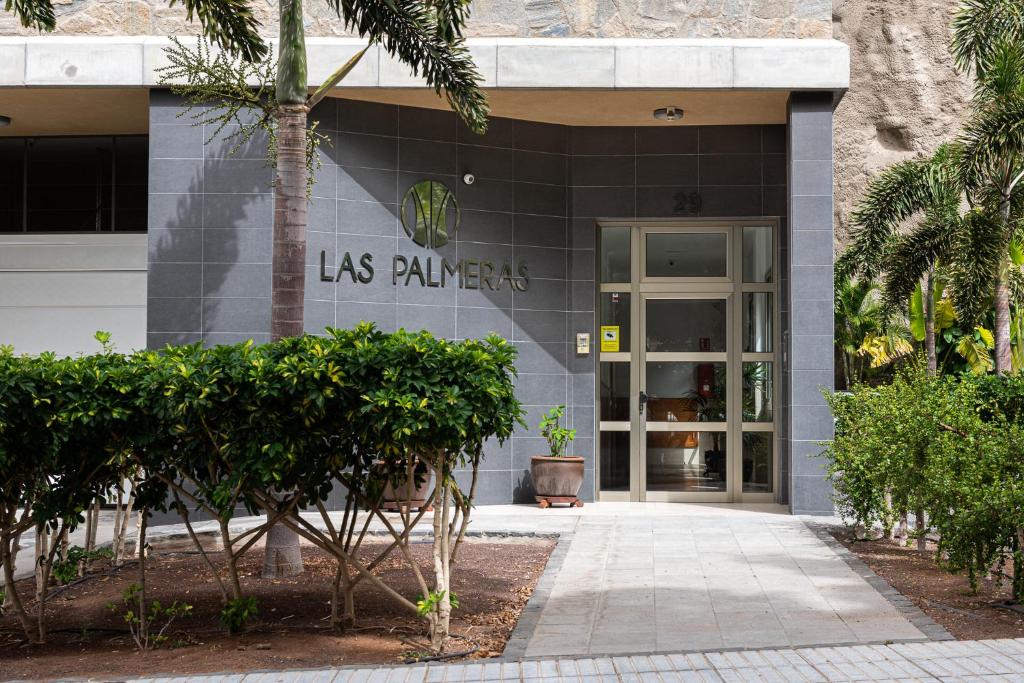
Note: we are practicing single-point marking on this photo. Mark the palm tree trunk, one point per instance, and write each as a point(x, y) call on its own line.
point(1003, 360)
point(928, 301)
point(290, 210)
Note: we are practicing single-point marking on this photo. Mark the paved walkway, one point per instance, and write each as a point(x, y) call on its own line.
point(688, 577)
point(988, 661)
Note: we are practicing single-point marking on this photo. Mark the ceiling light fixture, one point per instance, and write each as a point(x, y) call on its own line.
point(669, 114)
point(4, 121)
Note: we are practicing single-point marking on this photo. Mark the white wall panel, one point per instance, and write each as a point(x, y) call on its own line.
point(56, 291)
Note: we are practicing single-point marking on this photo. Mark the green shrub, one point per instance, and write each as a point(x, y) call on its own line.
point(948, 447)
point(237, 613)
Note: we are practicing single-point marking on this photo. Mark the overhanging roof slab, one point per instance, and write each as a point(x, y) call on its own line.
point(504, 63)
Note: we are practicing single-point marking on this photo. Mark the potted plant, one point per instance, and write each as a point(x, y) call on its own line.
point(557, 477)
point(401, 490)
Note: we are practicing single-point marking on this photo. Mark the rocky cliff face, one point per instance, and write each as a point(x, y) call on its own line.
point(548, 18)
point(905, 96)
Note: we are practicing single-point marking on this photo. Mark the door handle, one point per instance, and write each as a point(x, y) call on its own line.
point(643, 401)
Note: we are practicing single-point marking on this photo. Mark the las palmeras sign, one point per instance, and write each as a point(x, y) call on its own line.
point(430, 215)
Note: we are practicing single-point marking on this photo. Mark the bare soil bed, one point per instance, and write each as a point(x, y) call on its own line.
point(945, 597)
point(493, 581)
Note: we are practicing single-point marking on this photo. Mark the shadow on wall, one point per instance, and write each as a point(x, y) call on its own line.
point(215, 253)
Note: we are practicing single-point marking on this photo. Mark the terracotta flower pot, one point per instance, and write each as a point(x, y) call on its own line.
point(556, 477)
point(409, 491)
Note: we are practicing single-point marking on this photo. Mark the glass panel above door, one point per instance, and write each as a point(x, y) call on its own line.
point(686, 325)
point(757, 322)
point(615, 254)
point(757, 253)
point(685, 392)
point(686, 461)
point(687, 254)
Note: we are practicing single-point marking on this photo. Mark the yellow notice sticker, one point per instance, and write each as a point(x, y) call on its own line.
point(610, 338)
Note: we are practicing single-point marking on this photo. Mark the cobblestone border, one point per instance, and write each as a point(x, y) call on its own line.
point(515, 647)
point(914, 614)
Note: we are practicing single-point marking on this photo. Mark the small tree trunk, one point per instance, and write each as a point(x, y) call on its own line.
point(121, 529)
point(903, 530)
point(141, 545)
point(922, 542)
point(1003, 357)
point(140, 542)
point(11, 598)
point(232, 561)
point(928, 302)
point(1018, 566)
point(42, 551)
point(440, 621)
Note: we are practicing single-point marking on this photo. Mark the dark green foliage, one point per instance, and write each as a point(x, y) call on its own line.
point(428, 37)
point(558, 437)
point(229, 428)
point(237, 613)
point(149, 630)
point(65, 569)
point(948, 446)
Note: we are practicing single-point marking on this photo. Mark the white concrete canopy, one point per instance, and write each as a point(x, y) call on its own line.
point(562, 63)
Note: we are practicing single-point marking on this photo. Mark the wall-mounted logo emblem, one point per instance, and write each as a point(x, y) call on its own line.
point(430, 214)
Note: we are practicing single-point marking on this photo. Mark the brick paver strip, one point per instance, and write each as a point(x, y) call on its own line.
point(988, 661)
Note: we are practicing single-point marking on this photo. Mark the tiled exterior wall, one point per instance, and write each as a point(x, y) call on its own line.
point(538, 191)
point(807, 316)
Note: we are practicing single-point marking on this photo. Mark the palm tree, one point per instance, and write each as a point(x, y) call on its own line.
point(906, 222)
point(858, 315)
point(988, 37)
point(424, 34)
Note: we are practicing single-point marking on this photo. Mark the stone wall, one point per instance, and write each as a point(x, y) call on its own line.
point(905, 97)
point(553, 18)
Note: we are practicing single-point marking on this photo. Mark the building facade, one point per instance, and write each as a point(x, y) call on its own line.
point(668, 278)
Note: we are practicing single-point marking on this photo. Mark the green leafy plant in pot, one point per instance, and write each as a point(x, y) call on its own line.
point(557, 477)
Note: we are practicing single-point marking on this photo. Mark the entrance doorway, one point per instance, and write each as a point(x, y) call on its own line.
point(687, 325)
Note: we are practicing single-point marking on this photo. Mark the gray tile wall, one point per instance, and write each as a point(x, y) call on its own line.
point(540, 189)
point(210, 220)
point(807, 317)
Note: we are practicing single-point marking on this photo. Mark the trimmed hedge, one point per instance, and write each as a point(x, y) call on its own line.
point(270, 428)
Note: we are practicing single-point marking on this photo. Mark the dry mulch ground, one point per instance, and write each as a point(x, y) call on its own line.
point(946, 598)
point(493, 581)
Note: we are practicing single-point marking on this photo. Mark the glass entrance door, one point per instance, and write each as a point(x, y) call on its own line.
point(687, 367)
point(683, 399)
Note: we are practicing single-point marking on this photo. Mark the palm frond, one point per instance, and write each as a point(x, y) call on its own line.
point(37, 14)
point(979, 24)
point(415, 31)
point(894, 196)
point(913, 254)
point(931, 185)
point(229, 24)
point(979, 247)
point(993, 139)
point(883, 349)
point(1003, 75)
